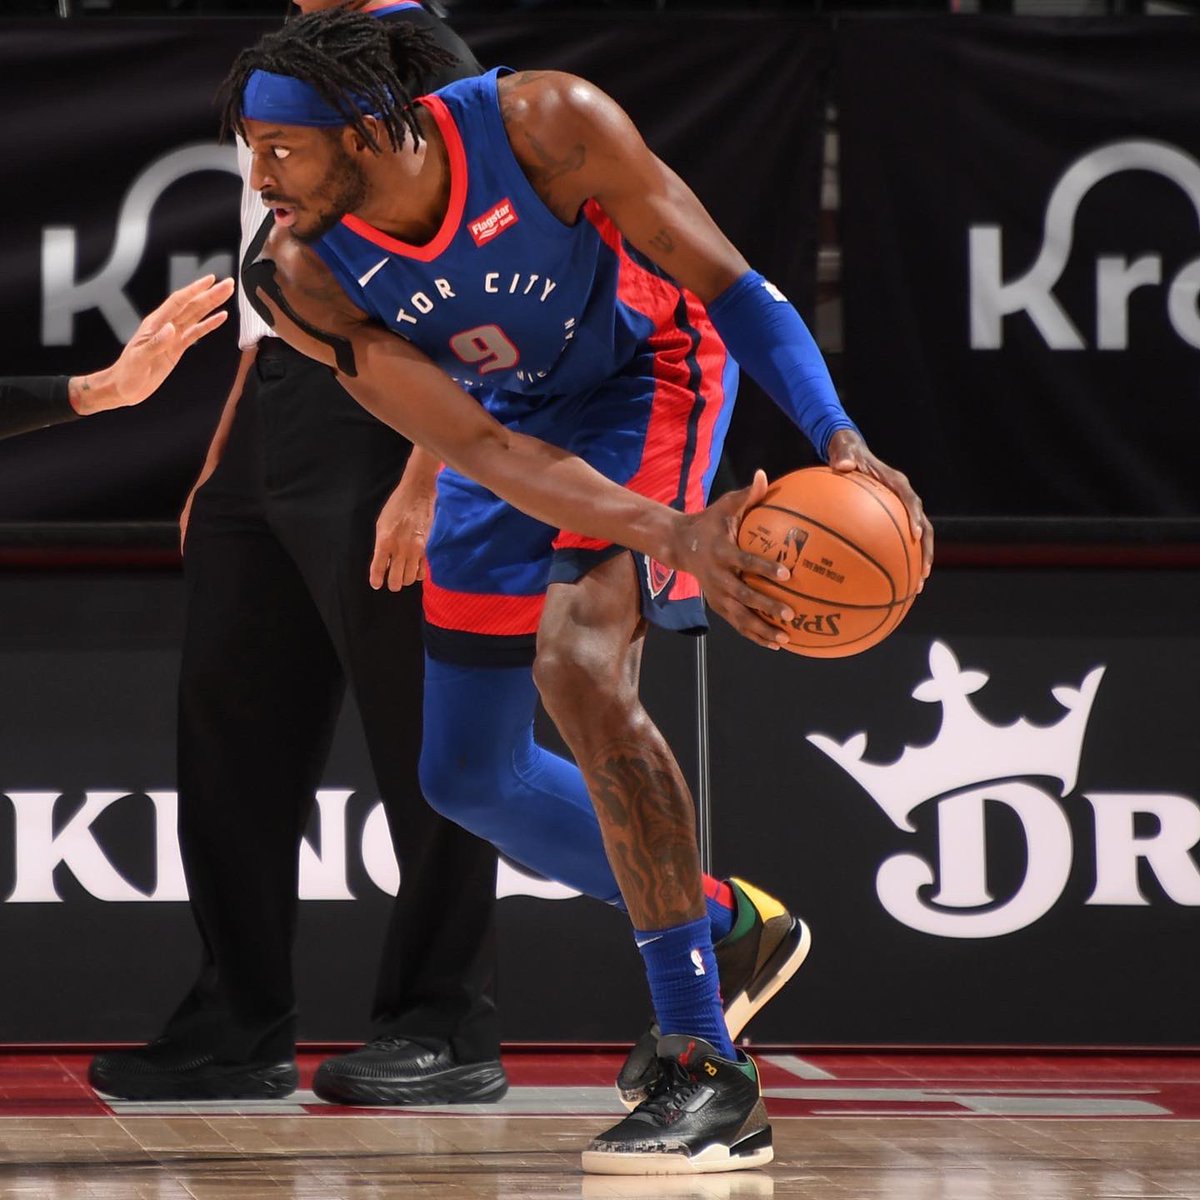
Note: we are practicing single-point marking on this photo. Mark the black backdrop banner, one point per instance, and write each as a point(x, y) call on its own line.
point(991, 822)
point(1020, 203)
point(123, 193)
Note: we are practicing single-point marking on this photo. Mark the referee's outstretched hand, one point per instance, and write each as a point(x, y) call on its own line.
point(150, 355)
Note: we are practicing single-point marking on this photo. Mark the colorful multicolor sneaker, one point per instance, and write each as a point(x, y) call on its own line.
point(703, 1114)
point(763, 950)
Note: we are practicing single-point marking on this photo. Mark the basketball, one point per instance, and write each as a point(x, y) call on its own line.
point(854, 561)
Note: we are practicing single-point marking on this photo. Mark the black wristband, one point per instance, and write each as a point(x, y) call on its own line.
point(33, 402)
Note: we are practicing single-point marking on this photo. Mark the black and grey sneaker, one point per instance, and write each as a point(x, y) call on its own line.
point(704, 1113)
point(640, 1068)
point(397, 1070)
point(163, 1070)
point(763, 950)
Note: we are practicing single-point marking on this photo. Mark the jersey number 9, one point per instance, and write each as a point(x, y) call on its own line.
point(486, 348)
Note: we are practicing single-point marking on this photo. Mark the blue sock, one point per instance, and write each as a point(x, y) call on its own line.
point(722, 906)
point(682, 971)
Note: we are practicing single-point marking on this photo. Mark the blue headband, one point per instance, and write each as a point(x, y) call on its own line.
point(287, 101)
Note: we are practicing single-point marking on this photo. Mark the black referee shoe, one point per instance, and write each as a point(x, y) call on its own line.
point(396, 1070)
point(163, 1070)
point(704, 1113)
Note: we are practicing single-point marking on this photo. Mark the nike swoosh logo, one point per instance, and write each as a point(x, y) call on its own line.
point(646, 941)
point(365, 279)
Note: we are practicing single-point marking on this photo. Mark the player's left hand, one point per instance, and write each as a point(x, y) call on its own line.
point(400, 534)
point(848, 452)
point(151, 354)
point(708, 549)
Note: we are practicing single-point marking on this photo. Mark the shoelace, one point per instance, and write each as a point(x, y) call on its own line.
point(673, 1088)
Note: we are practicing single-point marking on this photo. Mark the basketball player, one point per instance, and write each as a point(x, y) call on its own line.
point(291, 511)
point(38, 401)
point(517, 233)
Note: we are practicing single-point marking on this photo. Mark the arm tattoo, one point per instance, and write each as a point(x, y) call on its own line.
point(259, 276)
point(663, 241)
point(549, 167)
point(520, 79)
point(646, 816)
point(546, 166)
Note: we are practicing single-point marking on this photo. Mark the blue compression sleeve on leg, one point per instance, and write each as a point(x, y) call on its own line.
point(772, 344)
point(481, 768)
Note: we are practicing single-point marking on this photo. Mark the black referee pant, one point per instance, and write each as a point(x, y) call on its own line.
point(279, 617)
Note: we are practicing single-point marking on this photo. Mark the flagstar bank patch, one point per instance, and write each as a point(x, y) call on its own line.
point(493, 222)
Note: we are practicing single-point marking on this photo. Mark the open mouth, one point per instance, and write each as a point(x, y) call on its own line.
point(285, 214)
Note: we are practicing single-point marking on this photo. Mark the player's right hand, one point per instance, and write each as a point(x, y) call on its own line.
point(711, 553)
point(848, 452)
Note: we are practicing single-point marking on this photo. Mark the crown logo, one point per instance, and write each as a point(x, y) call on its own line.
point(967, 749)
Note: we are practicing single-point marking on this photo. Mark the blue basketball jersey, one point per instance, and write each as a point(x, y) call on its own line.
point(510, 302)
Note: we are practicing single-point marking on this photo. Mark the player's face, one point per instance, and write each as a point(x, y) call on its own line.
point(304, 176)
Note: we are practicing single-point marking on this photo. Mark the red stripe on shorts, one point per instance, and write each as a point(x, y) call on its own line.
point(658, 476)
point(475, 612)
point(711, 356)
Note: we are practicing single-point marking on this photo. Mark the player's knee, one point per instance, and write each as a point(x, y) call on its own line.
point(461, 786)
point(439, 781)
point(558, 672)
point(575, 677)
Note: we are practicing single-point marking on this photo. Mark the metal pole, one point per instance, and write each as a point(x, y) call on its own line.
point(703, 789)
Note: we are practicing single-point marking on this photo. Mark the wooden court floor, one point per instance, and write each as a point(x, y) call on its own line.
point(847, 1127)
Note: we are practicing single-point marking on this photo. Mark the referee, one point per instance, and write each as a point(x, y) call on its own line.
point(295, 515)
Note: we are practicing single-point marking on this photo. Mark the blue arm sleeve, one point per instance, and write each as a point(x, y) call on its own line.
point(772, 344)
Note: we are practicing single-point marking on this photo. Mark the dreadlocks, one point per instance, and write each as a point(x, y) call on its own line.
point(348, 58)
